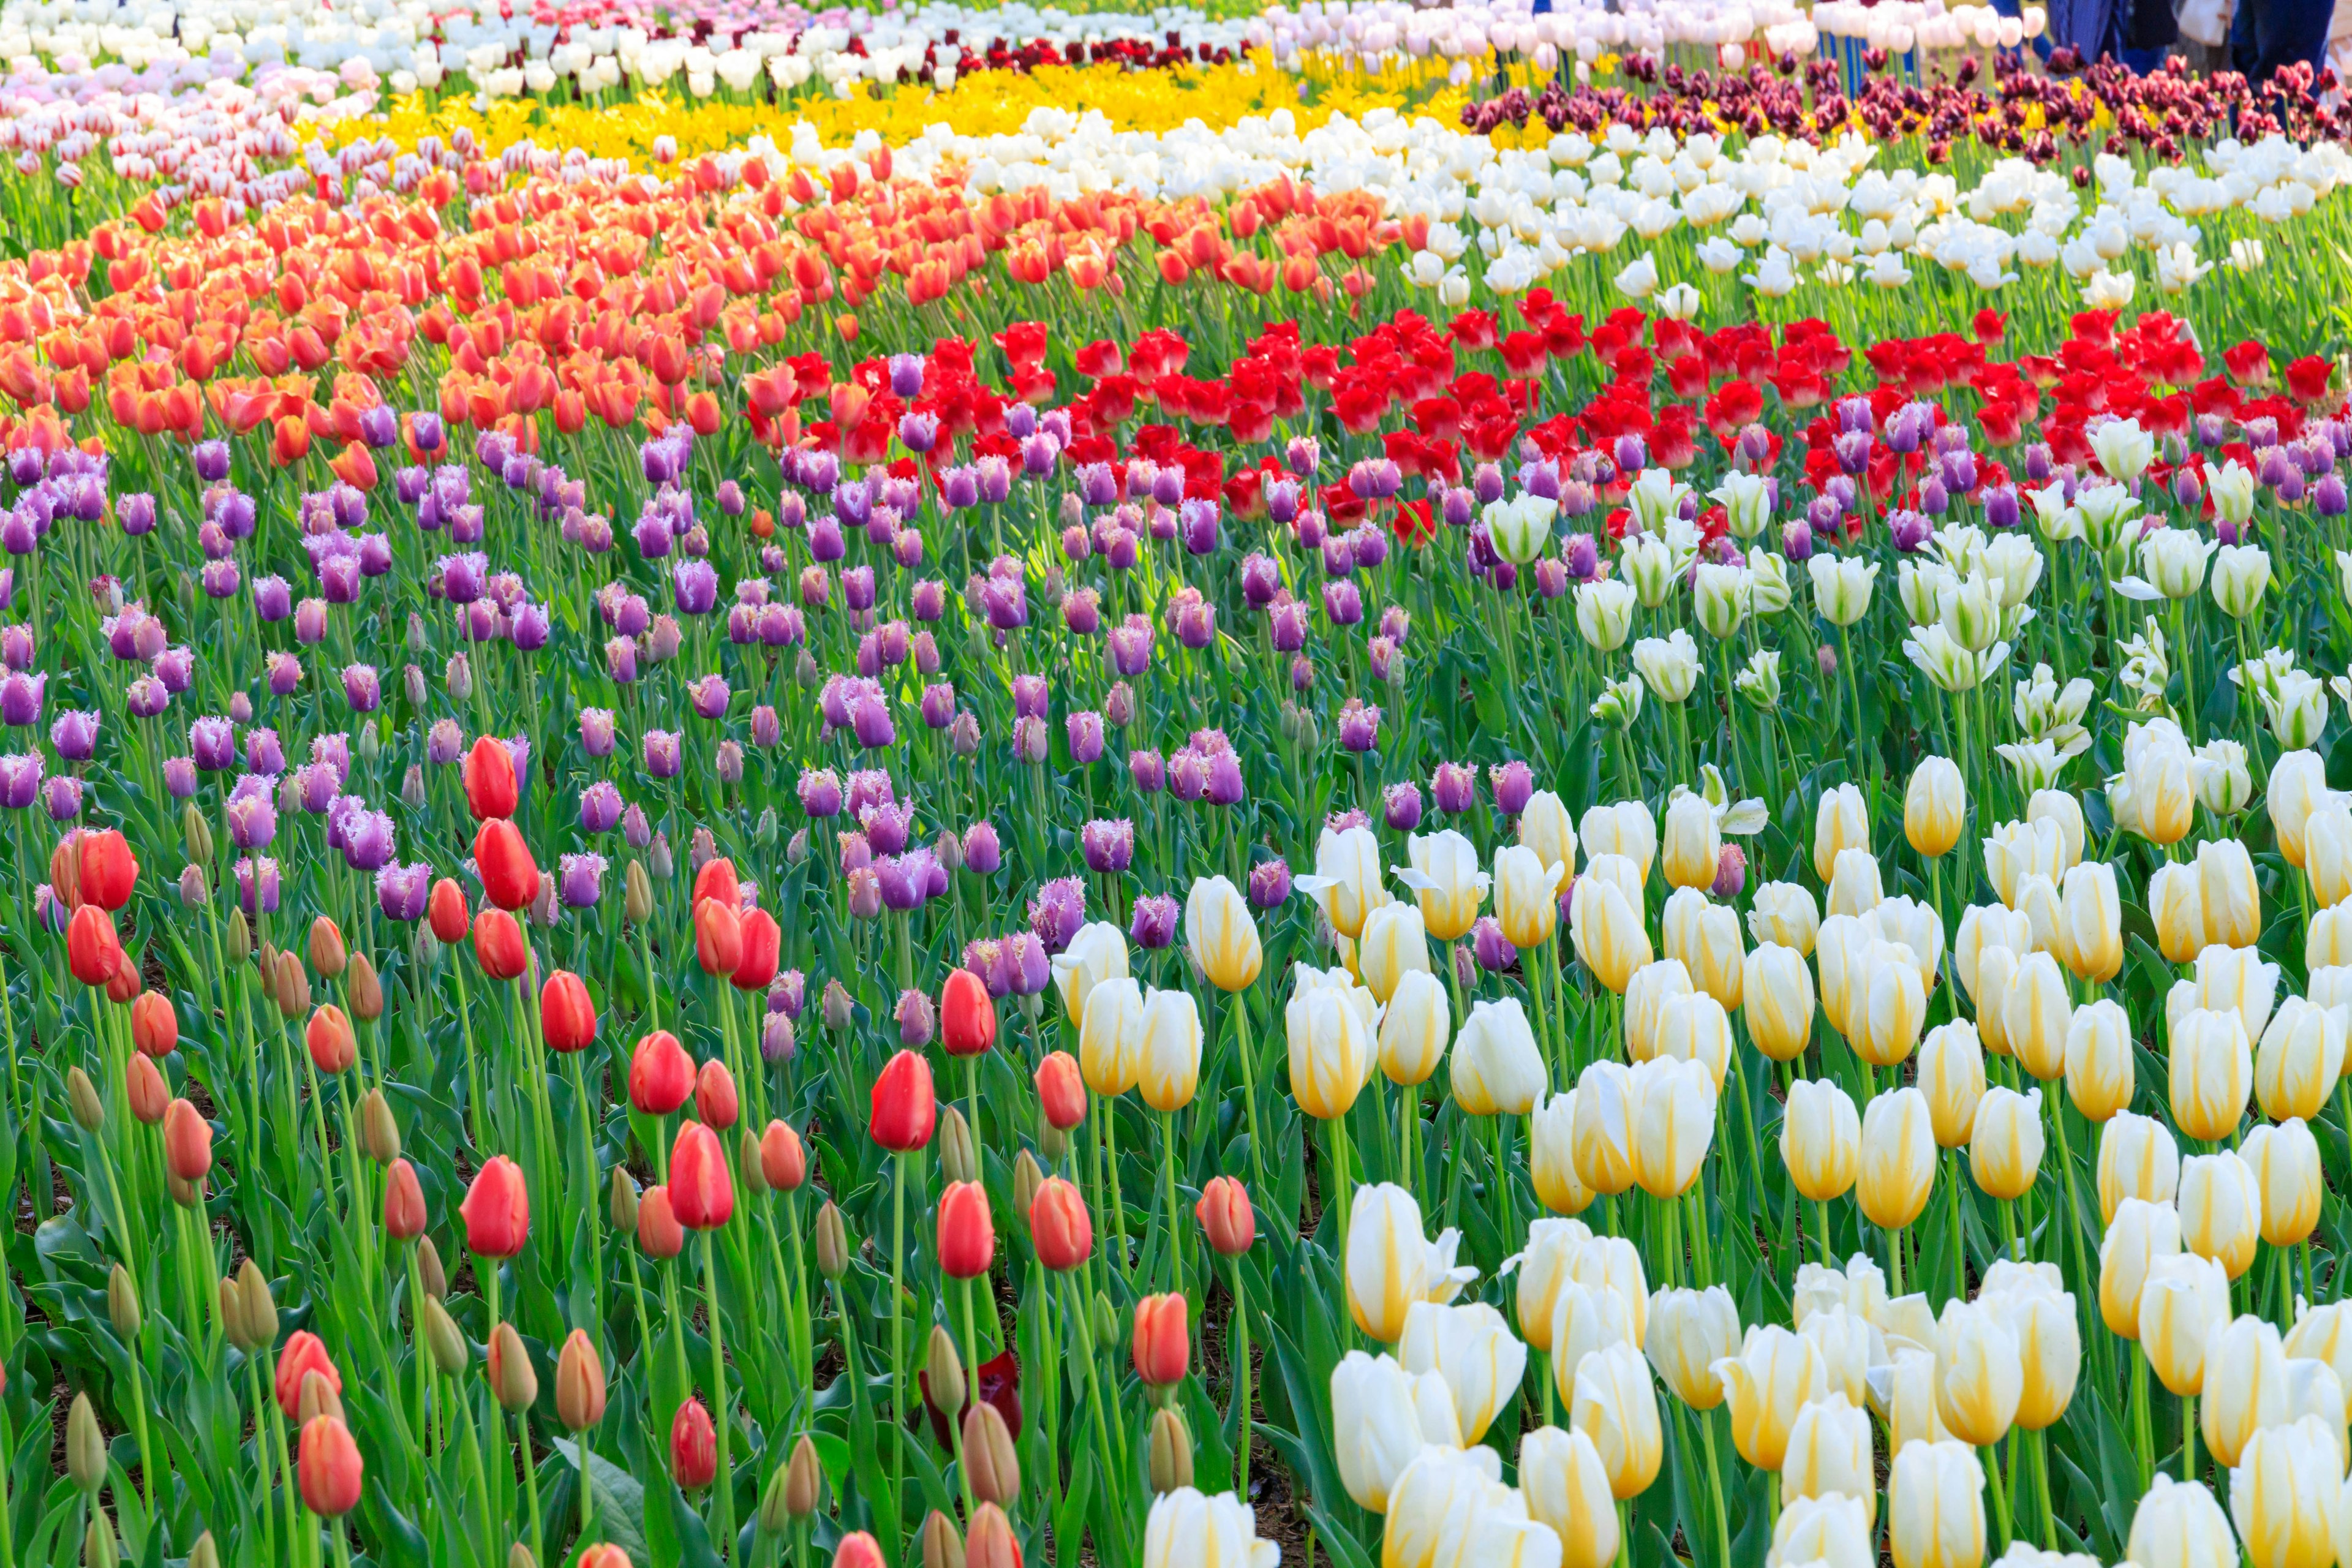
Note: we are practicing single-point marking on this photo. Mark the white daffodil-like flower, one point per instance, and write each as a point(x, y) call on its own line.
point(1949, 664)
point(1668, 665)
point(1758, 681)
point(2037, 764)
point(1620, 703)
point(1740, 819)
point(2172, 564)
point(2145, 673)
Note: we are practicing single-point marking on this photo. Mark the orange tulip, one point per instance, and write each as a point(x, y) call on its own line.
point(497, 1210)
point(329, 1038)
point(567, 1018)
point(491, 787)
point(701, 1189)
point(717, 937)
point(1059, 1225)
point(155, 1026)
point(404, 1202)
point(143, 1087)
point(93, 952)
point(329, 1469)
point(716, 1102)
point(1163, 1347)
point(499, 946)
point(783, 1162)
point(187, 1141)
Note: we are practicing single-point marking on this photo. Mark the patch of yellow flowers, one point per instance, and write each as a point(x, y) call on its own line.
point(987, 103)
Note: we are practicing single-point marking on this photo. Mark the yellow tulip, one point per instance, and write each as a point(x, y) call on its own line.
point(1586, 1319)
point(2238, 979)
point(1606, 926)
point(2179, 1525)
point(1168, 1050)
point(1626, 828)
point(1331, 1051)
point(1472, 1349)
point(2313, 1390)
point(1694, 842)
point(1543, 1267)
point(2328, 942)
point(1394, 944)
point(2037, 900)
point(1777, 1001)
point(2322, 1334)
point(2090, 923)
point(2212, 1071)
point(1222, 934)
point(1894, 1005)
point(1705, 937)
point(2176, 904)
point(1567, 1487)
point(1898, 1158)
point(1389, 1264)
point(1821, 1140)
point(1446, 882)
point(2014, 851)
point(2285, 1160)
point(1849, 1343)
point(1098, 953)
point(1110, 1037)
point(1829, 1453)
point(1378, 1426)
point(2100, 1071)
point(1855, 888)
point(1603, 1128)
point(2139, 1235)
point(1983, 926)
point(1917, 927)
point(2186, 1297)
point(1697, 1029)
point(1673, 1104)
point(1616, 1405)
point(1997, 970)
point(2233, 903)
point(1979, 1376)
point(1551, 1157)
point(2065, 812)
point(1935, 1507)
point(2137, 1159)
point(2286, 1494)
point(1841, 822)
point(2005, 1146)
point(1614, 1264)
point(2327, 854)
point(1833, 1529)
point(2035, 1015)
point(1935, 807)
point(2297, 787)
point(1784, 914)
point(1498, 1071)
point(1841, 957)
point(2301, 1057)
point(1646, 994)
point(1545, 828)
point(1526, 896)
point(2245, 1386)
point(1346, 885)
point(2040, 1314)
point(1910, 1398)
point(1414, 1030)
point(1691, 1331)
point(1951, 1074)
point(1776, 1374)
point(1442, 1493)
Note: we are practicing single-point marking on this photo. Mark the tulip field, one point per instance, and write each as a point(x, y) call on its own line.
point(1365, 786)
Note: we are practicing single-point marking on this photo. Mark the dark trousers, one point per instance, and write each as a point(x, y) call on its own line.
point(2268, 34)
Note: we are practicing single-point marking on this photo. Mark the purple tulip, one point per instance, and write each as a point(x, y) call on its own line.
point(1107, 845)
point(1514, 784)
point(1058, 911)
point(180, 777)
point(663, 759)
point(402, 891)
point(75, 735)
point(1270, 884)
point(580, 881)
point(1153, 925)
point(212, 742)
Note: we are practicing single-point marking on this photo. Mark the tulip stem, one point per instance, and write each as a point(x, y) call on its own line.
point(1167, 1180)
point(2143, 1437)
point(1241, 1396)
point(588, 1191)
point(1076, 1308)
point(1239, 1013)
point(1821, 1217)
point(2000, 1493)
point(530, 1484)
point(473, 1067)
point(2189, 1438)
point(726, 1498)
point(1895, 1258)
point(1714, 1485)
point(898, 1330)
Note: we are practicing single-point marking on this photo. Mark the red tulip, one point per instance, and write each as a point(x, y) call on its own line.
point(858, 1550)
point(602, 1556)
point(1062, 1091)
point(763, 943)
point(154, 1025)
point(717, 881)
point(658, 1231)
point(509, 876)
point(143, 1087)
point(124, 983)
point(447, 912)
point(717, 937)
point(1226, 1218)
point(497, 1210)
point(701, 1189)
point(992, 1543)
point(661, 1075)
point(499, 946)
point(92, 950)
point(328, 1036)
point(329, 1468)
point(715, 1100)
point(404, 1202)
point(567, 1018)
point(693, 1447)
point(109, 872)
point(783, 1162)
point(305, 1353)
point(1162, 1339)
point(492, 790)
point(187, 1141)
point(967, 1233)
point(967, 1015)
point(1059, 1225)
point(904, 1110)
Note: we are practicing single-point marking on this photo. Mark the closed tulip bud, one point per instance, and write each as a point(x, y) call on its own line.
point(85, 1446)
point(512, 1381)
point(1414, 1028)
point(1161, 1346)
point(1673, 1103)
point(1690, 1333)
point(2176, 905)
point(1841, 821)
point(623, 1202)
point(2005, 1147)
point(959, 1161)
point(1605, 925)
point(1694, 842)
point(259, 1310)
point(204, 1554)
point(2090, 924)
point(803, 1476)
point(2220, 1210)
point(636, 894)
point(967, 1236)
point(2229, 897)
point(2185, 1298)
point(693, 1446)
point(328, 955)
point(858, 1550)
point(1496, 1069)
point(1168, 1052)
point(2179, 1525)
point(943, 1370)
point(1222, 934)
point(404, 1202)
point(82, 1098)
point(497, 1210)
point(2212, 1073)
point(701, 1189)
point(1060, 1226)
point(2099, 1064)
point(989, 1456)
point(1777, 1002)
point(122, 1304)
point(329, 1468)
point(904, 1110)
point(187, 1141)
point(1935, 1507)
point(379, 1133)
point(1394, 944)
point(2036, 1015)
point(578, 1384)
point(1566, 1489)
point(992, 1543)
point(1935, 807)
point(240, 940)
point(2137, 1159)
point(144, 1090)
point(1616, 1405)
point(2299, 1061)
point(2289, 1187)
point(155, 1026)
point(1602, 1128)
point(1330, 1042)
point(1226, 1215)
point(2287, 1496)
point(783, 1160)
point(1898, 1158)
point(1951, 1074)
point(658, 1230)
point(1893, 1007)
point(1027, 1177)
point(1821, 1140)
point(832, 1242)
point(364, 989)
point(943, 1546)
point(1551, 1156)
point(1171, 1452)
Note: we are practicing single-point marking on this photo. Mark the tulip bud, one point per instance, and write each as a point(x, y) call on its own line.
point(637, 894)
point(187, 1142)
point(195, 887)
point(1053, 1143)
point(363, 988)
point(98, 1547)
point(379, 1133)
point(293, 991)
point(232, 1315)
point(404, 1202)
point(261, 1309)
point(623, 1202)
point(837, 1009)
point(958, 1161)
point(442, 1339)
point(430, 1274)
point(943, 1547)
point(329, 1469)
point(240, 937)
point(204, 1554)
point(328, 954)
point(775, 1517)
point(82, 1095)
point(802, 1477)
point(578, 1384)
point(783, 1160)
point(85, 1446)
point(1171, 1452)
point(989, 1456)
point(943, 1370)
point(122, 1304)
point(318, 1397)
point(1162, 1348)
point(512, 1381)
point(1027, 1177)
point(520, 1556)
point(197, 834)
point(144, 1087)
point(832, 1242)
